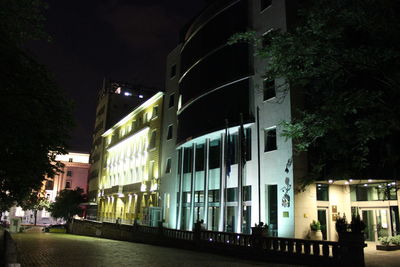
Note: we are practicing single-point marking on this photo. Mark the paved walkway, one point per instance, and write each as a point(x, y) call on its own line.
point(51, 249)
point(379, 258)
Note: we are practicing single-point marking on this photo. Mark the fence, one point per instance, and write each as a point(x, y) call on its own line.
point(276, 249)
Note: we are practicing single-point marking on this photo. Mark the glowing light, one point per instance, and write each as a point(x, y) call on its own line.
point(140, 96)
point(128, 94)
point(393, 183)
point(365, 185)
point(369, 180)
point(143, 187)
point(346, 182)
point(351, 180)
point(121, 195)
point(330, 181)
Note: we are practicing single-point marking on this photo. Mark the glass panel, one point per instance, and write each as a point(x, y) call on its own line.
point(198, 214)
point(368, 218)
point(273, 210)
point(247, 193)
point(231, 217)
point(213, 195)
point(322, 220)
point(231, 194)
point(323, 192)
point(213, 217)
point(394, 215)
point(214, 154)
point(382, 225)
point(185, 218)
point(246, 220)
point(200, 157)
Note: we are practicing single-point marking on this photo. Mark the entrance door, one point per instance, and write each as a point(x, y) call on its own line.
point(323, 219)
point(378, 223)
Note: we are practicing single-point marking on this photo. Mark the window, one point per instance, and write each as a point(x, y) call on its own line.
point(265, 4)
point(49, 185)
point(199, 197)
point(153, 139)
point(70, 159)
point(323, 192)
point(247, 193)
point(270, 139)
point(213, 195)
point(371, 192)
point(187, 160)
point(155, 112)
point(231, 194)
point(214, 154)
point(168, 166)
point(173, 71)
point(171, 101)
point(68, 184)
point(69, 173)
point(199, 157)
point(268, 89)
point(170, 132)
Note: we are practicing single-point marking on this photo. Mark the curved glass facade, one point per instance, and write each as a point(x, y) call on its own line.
point(213, 84)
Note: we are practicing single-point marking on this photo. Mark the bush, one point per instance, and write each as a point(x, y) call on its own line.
point(384, 240)
point(315, 225)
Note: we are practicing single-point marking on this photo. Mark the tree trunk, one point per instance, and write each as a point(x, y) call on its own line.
point(35, 217)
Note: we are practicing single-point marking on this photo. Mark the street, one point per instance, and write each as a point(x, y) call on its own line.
point(52, 249)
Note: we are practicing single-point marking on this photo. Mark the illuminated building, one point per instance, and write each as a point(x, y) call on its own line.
point(73, 174)
point(129, 183)
point(210, 86)
point(115, 100)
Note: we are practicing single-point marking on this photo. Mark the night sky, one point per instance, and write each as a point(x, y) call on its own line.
point(121, 40)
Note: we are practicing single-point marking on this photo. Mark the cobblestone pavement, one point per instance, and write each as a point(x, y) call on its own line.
point(51, 249)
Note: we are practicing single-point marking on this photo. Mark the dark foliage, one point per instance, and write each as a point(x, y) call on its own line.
point(35, 115)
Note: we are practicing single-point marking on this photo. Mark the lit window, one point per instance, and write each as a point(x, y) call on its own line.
point(270, 139)
point(168, 166)
point(171, 101)
point(118, 91)
point(170, 132)
point(268, 89)
point(265, 4)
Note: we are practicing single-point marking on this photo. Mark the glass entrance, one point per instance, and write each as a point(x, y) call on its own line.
point(322, 213)
point(377, 222)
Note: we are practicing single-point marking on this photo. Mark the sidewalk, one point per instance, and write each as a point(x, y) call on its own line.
point(378, 258)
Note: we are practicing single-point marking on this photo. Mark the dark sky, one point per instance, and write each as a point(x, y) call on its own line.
point(121, 40)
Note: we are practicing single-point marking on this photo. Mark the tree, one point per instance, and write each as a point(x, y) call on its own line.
point(34, 112)
point(344, 58)
point(67, 204)
point(35, 202)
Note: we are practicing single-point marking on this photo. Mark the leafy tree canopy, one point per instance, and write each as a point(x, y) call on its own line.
point(35, 202)
point(35, 114)
point(344, 59)
point(67, 204)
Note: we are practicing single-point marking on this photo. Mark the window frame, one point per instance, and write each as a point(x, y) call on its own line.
point(170, 132)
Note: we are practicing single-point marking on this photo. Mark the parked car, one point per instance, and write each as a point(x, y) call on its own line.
point(57, 228)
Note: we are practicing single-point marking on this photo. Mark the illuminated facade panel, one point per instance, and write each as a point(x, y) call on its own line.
point(128, 187)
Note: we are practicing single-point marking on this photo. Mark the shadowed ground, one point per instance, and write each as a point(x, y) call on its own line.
point(51, 249)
